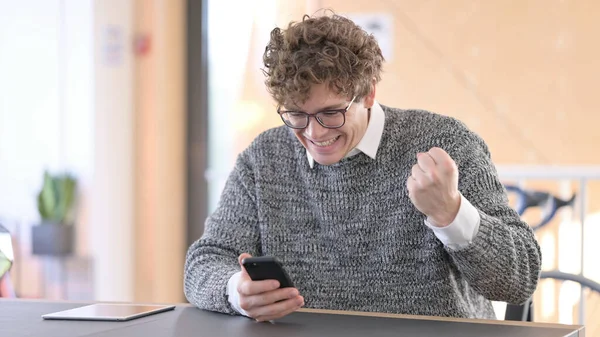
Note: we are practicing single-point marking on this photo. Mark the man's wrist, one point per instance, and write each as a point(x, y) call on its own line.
point(446, 218)
point(232, 293)
point(462, 230)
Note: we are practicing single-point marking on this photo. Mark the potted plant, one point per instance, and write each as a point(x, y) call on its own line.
point(55, 203)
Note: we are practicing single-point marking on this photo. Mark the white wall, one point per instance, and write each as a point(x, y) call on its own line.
point(77, 84)
point(46, 111)
point(45, 101)
point(29, 102)
point(226, 76)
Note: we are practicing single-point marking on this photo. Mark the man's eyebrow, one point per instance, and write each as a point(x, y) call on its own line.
point(340, 105)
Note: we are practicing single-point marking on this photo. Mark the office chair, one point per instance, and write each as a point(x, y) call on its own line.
point(550, 205)
point(547, 202)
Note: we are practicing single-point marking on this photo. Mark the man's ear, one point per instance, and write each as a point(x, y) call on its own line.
point(370, 98)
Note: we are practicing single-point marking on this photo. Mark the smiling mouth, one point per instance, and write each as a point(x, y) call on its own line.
point(326, 143)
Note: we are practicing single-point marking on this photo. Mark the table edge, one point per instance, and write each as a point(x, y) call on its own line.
point(579, 328)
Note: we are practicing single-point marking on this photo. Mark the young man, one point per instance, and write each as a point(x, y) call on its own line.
point(369, 208)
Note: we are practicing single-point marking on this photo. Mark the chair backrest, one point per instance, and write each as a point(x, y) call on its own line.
point(521, 313)
point(525, 312)
point(584, 282)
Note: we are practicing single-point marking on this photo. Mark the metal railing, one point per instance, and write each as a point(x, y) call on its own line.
point(582, 175)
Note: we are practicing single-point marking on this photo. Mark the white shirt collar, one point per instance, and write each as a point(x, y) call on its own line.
point(370, 140)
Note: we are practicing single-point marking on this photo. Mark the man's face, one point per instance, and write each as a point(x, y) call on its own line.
point(329, 146)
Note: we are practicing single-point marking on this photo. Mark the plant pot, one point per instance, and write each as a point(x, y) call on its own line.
point(52, 239)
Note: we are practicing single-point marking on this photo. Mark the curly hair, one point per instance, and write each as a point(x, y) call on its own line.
point(326, 49)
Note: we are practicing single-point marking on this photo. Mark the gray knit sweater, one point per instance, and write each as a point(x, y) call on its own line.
point(351, 239)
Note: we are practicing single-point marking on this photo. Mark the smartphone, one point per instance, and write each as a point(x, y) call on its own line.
point(267, 268)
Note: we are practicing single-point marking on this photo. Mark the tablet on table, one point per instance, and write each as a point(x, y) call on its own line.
point(108, 312)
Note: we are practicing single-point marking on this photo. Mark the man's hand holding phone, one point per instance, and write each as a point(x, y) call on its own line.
point(264, 300)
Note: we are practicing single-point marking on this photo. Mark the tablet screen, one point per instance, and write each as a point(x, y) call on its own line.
point(109, 312)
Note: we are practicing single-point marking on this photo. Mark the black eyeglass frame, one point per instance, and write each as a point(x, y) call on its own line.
point(316, 116)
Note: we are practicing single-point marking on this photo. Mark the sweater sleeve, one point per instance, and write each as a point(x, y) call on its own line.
point(503, 260)
point(231, 230)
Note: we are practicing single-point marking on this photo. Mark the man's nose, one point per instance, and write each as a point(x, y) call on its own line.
point(315, 130)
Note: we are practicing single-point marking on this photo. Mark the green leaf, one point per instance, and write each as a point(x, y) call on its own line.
point(56, 199)
point(47, 198)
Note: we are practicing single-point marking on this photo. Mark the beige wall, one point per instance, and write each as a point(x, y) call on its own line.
point(523, 75)
point(160, 151)
point(520, 74)
point(138, 198)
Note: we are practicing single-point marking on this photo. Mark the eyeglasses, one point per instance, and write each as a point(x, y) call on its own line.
point(330, 119)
